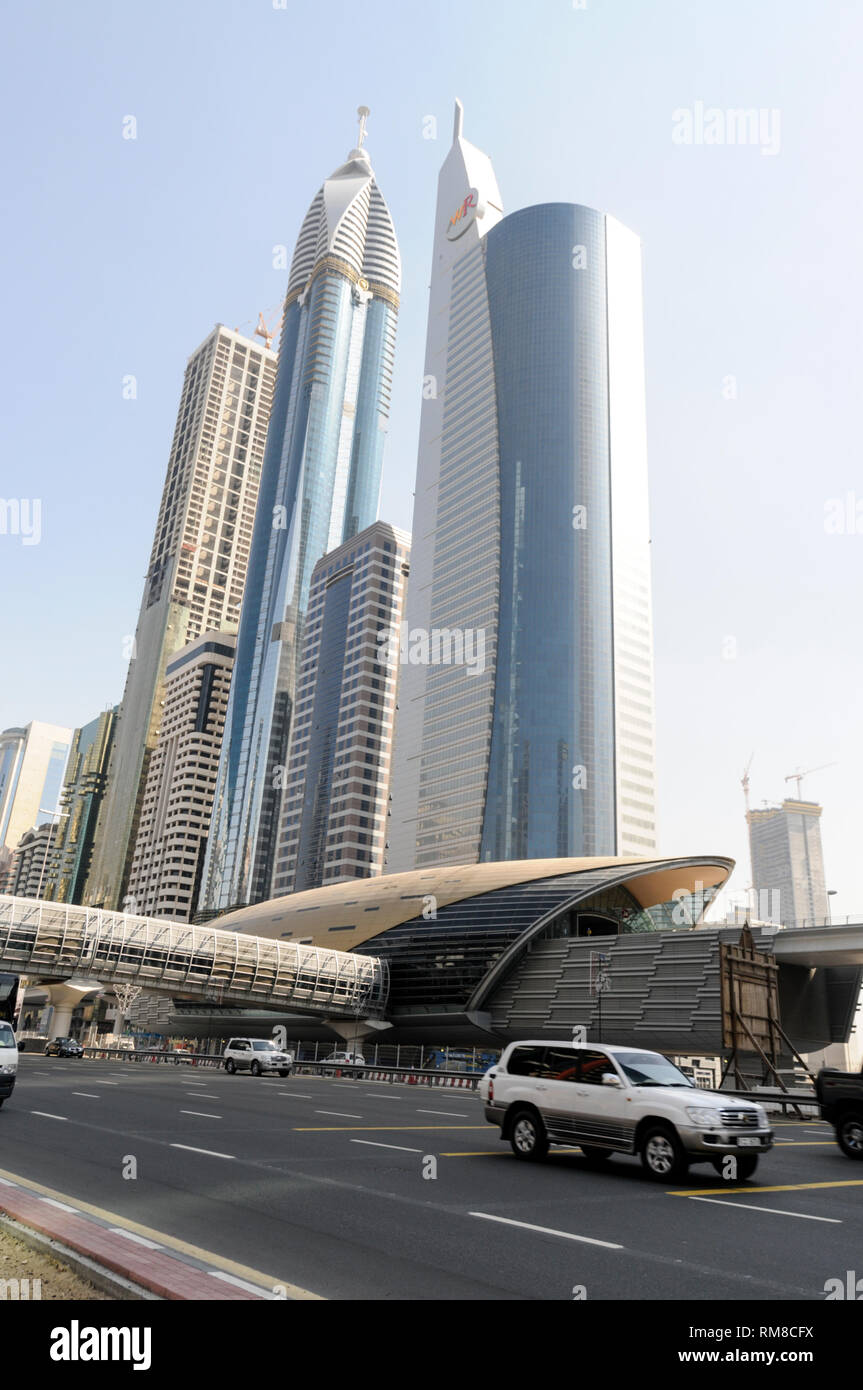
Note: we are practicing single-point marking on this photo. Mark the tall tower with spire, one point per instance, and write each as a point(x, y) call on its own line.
point(530, 541)
point(320, 486)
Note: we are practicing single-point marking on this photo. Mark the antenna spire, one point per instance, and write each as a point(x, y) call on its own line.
point(363, 112)
point(458, 120)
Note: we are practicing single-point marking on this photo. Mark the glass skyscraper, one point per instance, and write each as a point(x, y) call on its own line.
point(531, 528)
point(320, 486)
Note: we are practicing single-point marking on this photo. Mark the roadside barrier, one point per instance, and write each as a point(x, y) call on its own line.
point(411, 1076)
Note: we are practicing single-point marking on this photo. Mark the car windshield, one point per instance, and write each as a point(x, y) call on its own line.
point(651, 1069)
point(264, 1046)
point(7, 1037)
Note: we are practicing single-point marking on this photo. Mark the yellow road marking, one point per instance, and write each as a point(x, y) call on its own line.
point(499, 1153)
point(480, 1153)
point(253, 1276)
point(756, 1191)
point(331, 1129)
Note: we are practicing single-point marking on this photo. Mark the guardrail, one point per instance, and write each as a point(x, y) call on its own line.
point(419, 1076)
point(784, 1099)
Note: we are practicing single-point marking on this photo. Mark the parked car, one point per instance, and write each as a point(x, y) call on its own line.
point(8, 1062)
point(610, 1100)
point(256, 1055)
point(346, 1059)
point(64, 1047)
point(841, 1096)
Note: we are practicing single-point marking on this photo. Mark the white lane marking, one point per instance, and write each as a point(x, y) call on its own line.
point(202, 1114)
point(239, 1283)
point(297, 1095)
point(203, 1095)
point(341, 1114)
point(546, 1230)
point(459, 1114)
point(373, 1144)
point(90, 1095)
point(771, 1211)
point(211, 1153)
point(62, 1206)
point(378, 1096)
point(41, 1073)
point(4, 1182)
point(46, 1116)
point(99, 1082)
point(139, 1240)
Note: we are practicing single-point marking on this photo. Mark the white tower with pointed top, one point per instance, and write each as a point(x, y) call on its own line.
point(461, 463)
point(530, 542)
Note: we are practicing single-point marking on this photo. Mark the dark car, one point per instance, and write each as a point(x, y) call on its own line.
point(841, 1096)
point(64, 1047)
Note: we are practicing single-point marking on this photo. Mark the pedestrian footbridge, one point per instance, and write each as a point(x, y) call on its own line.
point(55, 941)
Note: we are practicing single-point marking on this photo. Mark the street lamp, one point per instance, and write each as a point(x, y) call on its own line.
point(831, 893)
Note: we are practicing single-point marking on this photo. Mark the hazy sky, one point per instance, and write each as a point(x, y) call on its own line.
point(121, 254)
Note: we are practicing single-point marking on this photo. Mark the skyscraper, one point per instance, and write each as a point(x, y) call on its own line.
point(788, 864)
point(32, 764)
point(181, 779)
point(197, 567)
point(334, 819)
point(530, 529)
point(320, 486)
point(80, 800)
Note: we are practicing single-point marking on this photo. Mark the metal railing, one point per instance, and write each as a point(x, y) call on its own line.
point(422, 1076)
point(57, 941)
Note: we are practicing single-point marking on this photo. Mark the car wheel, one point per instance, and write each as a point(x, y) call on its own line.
point(230, 1067)
point(849, 1135)
point(1, 1103)
point(283, 1072)
point(255, 1069)
point(527, 1136)
point(594, 1156)
point(662, 1154)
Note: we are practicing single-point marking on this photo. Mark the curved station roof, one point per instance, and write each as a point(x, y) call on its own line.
point(350, 914)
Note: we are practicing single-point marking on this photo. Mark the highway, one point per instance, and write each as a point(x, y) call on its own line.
point(353, 1189)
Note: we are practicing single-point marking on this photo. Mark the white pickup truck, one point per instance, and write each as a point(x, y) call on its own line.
point(610, 1100)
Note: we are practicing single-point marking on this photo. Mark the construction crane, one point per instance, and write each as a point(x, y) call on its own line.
point(744, 782)
point(261, 330)
point(798, 776)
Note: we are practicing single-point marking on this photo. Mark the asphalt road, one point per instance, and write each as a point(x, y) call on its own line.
point(322, 1183)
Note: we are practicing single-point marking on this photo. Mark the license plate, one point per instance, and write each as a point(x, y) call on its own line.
point(747, 1142)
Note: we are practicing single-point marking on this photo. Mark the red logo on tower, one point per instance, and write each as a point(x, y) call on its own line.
point(465, 214)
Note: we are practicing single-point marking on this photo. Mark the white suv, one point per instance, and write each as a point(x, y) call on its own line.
point(8, 1062)
point(256, 1055)
point(612, 1100)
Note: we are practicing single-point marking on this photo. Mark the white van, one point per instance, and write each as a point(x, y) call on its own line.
point(8, 1062)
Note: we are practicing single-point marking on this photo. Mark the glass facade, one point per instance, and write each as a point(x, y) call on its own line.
point(551, 784)
point(540, 542)
point(320, 485)
point(441, 964)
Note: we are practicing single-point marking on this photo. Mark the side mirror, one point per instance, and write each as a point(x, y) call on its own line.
point(610, 1079)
